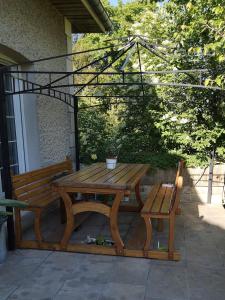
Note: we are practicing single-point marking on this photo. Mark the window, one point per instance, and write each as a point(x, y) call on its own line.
point(10, 115)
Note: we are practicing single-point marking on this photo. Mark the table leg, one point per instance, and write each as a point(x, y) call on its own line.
point(114, 223)
point(69, 219)
point(138, 195)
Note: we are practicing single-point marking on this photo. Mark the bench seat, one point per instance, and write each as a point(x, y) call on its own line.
point(159, 201)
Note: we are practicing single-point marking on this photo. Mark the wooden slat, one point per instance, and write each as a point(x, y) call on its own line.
point(26, 188)
point(159, 200)
point(112, 173)
point(130, 172)
point(32, 194)
point(117, 175)
point(167, 200)
point(100, 178)
point(135, 179)
point(60, 166)
point(85, 173)
point(29, 177)
point(81, 175)
point(150, 199)
point(43, 200)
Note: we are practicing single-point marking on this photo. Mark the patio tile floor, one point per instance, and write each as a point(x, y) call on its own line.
point(46, 275)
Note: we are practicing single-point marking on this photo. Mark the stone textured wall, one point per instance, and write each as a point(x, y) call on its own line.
point(35, 29)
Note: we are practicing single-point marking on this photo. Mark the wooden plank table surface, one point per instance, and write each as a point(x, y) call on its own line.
point(123, 177)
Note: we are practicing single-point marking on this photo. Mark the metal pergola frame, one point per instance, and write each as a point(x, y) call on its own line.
point(124, 46)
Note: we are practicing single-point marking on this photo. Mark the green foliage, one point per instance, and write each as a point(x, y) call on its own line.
point(170, 122)
point(9, 203)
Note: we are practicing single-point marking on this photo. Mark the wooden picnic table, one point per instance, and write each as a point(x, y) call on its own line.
point(97, 179)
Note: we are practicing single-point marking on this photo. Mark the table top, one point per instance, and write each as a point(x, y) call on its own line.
point(123, 177)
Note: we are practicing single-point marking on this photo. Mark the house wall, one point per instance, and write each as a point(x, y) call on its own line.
point(34, 29)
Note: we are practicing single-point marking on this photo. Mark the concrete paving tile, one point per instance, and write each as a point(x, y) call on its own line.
point(17, 273)
point(64, 260)
point(196, 225)
point(6, 290)
point(43, 284)
point(121, 291)
point(74, 289)
point(222, 253)
point(210, 279)
point(211, 210)
point(101, 258)
point(203, 255)
point(77, 295)
point(27, 253)
point(52, 275)
point(206, 294)
point(153, 298)
point(33, 292)
point(202, 238)
point(130, 270)
point(98, 272)
point(169, 282)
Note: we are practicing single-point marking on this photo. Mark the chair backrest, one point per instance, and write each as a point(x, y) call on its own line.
point(38, 181)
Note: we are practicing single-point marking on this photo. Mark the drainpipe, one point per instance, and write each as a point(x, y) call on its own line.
point(210, 181)
point(76, 135)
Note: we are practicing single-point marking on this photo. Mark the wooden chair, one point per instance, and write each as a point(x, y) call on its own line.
point(35, 189)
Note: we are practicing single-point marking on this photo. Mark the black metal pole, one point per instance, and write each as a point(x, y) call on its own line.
point(140, 68)
point(76, 135)
point(5, 172)
point(210, 181)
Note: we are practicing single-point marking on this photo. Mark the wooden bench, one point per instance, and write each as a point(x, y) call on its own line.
point(163, 203)
point(35, 189)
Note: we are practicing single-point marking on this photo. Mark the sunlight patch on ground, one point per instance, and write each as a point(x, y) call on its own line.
point(212, 214)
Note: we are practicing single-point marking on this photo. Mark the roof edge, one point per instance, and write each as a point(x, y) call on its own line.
point(98, 12)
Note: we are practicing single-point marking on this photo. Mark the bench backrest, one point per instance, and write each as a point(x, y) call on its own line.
point(179, 170)
point(176, 195)
point(27, 185)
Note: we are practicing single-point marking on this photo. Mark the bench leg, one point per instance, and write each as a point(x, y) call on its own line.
point(114, 228)
point(148, 225)
point(18, 227)
point(171, 236)
point(69, 219)
point(37, 225)
point(160, 225)
point(178, 211)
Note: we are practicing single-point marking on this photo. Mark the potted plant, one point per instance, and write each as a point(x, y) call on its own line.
point(113, 149)
point(3, 218)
